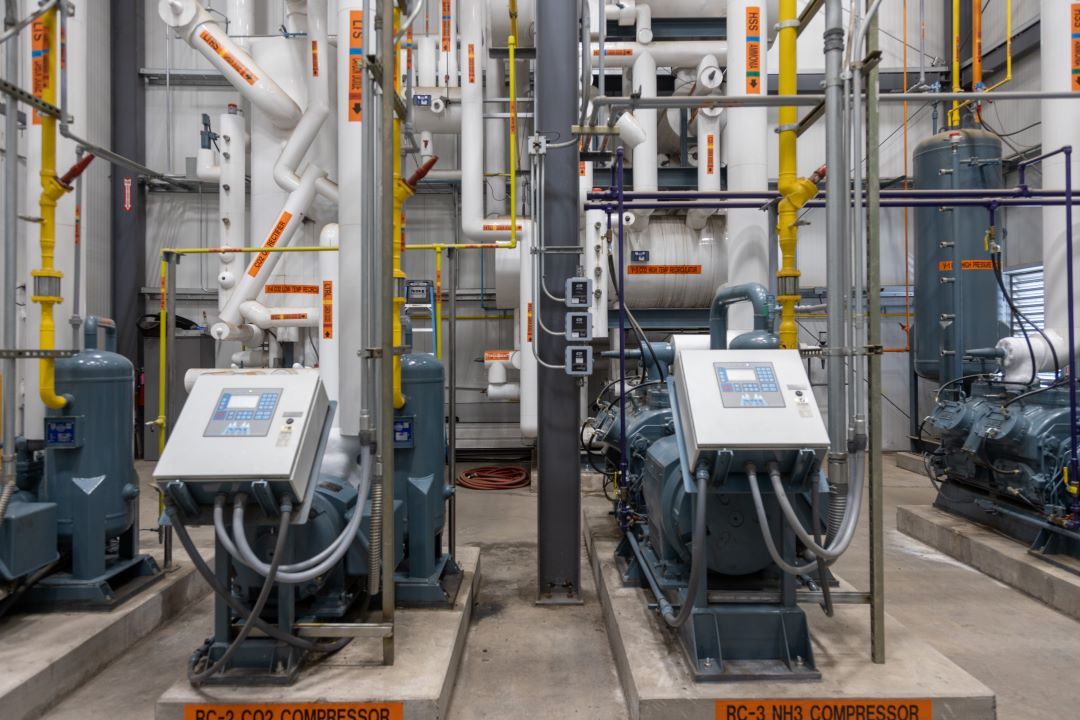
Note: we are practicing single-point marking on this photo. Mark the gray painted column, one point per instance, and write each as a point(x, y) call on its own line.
point(559, 516)
point(128, 106)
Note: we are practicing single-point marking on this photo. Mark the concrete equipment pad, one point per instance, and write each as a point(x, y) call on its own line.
point(428, 648)
point(1055, 580)
point(656, 678)
point(45, 656)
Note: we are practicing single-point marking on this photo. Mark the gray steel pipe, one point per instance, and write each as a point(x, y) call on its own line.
point(11, 230)
point(836, 186)
point(755, 293)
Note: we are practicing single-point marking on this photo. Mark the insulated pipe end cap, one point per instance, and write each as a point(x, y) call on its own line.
point(644, 35)
point(220, 331)
point(177, 13)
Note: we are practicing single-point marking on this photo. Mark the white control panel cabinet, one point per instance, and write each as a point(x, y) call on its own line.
point(239, 426)
point(746, 399)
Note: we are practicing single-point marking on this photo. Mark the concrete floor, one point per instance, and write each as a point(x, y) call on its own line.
point(524, 661)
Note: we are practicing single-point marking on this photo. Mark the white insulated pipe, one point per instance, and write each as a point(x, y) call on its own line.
point(746, 149)
point(199, 29)
point(264, 317)
point(447, 59)
point(329, 272)
point(666, 53)
point(262, 266)
point(596, 267)
point(317, 110)
point(241, 16)
point(1059, 128)
point(708, 162)
point(230, 173)
point(646, 170)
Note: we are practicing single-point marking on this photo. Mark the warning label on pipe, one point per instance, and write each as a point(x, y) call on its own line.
point(446, 25)
point(753, 50)
point(272, 241)
point(328, 309)
point(1076, 47)
point(305, 711)
point(824, 709)
point(228, 57)
point(356, 65)
point(291, 289)
point(711, 154)
point(281, 317)
point(947, 265)
point(663, 270)
point(39, 62)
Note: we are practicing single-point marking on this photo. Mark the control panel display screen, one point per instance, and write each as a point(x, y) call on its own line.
point(748, 385)
point(243, 412)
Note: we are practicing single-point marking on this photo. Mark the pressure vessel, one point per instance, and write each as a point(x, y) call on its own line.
point(964, 159)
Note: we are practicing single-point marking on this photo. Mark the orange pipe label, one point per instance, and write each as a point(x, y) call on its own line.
point(39, 62)
point(614, 52)
point(271, 241)
point(1076, 47)
point(498, 355)
point(472, 63)
point(581, 169)
point(289, 316)
point(947, 265)
point(710, 154)
point(530, 316)
point(227, 56)
point(753, 50)
point(328, 309)
point(446, 26)
point(314, 58)
point(356, 65)
point(291, 289)
point(298, 711)
point(824, 709)
point(503, 227)
point(663, 270)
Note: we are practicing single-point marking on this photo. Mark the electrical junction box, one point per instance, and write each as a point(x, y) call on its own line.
point(239, 427)
point(579, 292)
point(419, 292)
point(579, 360)
point(746, 399)
point(579, 327)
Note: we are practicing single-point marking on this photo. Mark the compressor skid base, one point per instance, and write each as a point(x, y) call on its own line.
point(121, 581)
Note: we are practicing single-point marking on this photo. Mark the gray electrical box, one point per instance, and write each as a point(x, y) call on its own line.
point(579, 360)
point(579, 327)
point(579, 292)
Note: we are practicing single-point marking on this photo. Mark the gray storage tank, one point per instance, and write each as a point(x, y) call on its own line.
point(956, 294)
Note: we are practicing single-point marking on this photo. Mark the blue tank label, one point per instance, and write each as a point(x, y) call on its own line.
point(61, 432)
point(403, 432)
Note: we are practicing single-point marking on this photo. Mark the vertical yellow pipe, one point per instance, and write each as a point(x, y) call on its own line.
point(795, 191)
point(512, 44)
point(957, 85)
point(436, 327)
point(163, 339)
point(47, 279)
point(402, 192)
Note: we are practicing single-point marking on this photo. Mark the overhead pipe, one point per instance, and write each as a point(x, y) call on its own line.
point(755, 294)
point(646, 171)
point(666, 53)
point(264, 317)
point(199, 30)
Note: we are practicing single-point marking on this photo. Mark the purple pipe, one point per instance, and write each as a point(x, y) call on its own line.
point(623, 464)
point(1072, 321)
point(973, 202)
point(1020, 192)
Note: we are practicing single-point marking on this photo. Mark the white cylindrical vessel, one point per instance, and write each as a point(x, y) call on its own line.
point(670, 265)
point(328, 334)
point(1059, 128)
point(746, 151)
point(645, 161)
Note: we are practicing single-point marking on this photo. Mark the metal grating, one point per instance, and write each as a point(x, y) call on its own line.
point(1026, 288)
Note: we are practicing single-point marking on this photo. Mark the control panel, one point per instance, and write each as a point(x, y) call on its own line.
point(746, 400)
point(579, 360)
point(748, 385)
point(242, 426)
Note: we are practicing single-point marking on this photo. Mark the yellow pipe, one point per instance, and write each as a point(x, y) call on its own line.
point(47, 279)
point(217, 251)
point(1008, 54)
point(437, 329)
point(402, 192)
point(795, 191)
point(957, 86)
point(163, 339)
point(512, 44)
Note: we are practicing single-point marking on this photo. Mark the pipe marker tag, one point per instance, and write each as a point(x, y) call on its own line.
point(228, 57)
point(39, 61)
point(1076, 47)
point(753, 50)
point(356, 65)
point(328, 310)
point(272, 241)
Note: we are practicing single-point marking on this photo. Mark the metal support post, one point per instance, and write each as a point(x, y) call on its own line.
point(559, 516)
point(172, 410)
point(451, 373)
point(386, 375)
point(11, 237)
point(873, 296)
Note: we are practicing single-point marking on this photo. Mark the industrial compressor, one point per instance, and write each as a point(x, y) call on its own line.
point(70, 533)
point(297, 523)
point(720, 475)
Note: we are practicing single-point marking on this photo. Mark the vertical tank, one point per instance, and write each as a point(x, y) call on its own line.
point(967, 159)
point(89, 465)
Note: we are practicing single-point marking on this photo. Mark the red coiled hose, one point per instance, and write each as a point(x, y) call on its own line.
point(494, 477)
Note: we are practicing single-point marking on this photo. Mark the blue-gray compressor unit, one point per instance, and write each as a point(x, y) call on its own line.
point(708, 453)
point(88, 492)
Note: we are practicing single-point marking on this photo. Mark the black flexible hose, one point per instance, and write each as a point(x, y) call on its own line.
point(237, 607)
point(697, 562)
point(197, 678)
